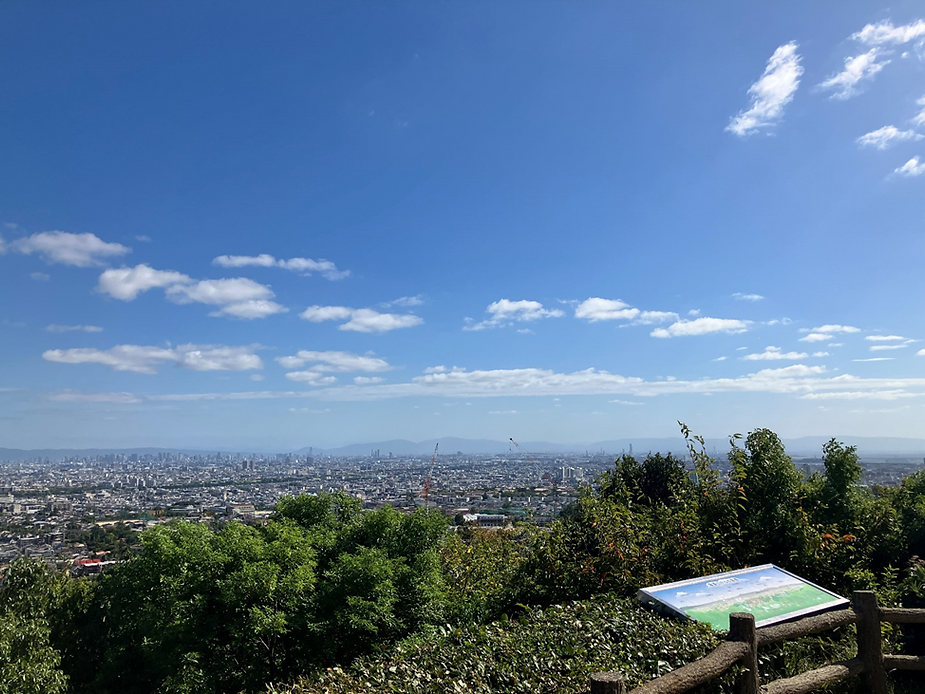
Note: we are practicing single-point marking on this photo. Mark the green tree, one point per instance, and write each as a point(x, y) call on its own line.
point(29, 664)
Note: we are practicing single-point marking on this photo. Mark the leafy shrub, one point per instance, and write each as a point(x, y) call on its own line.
point(542, 651)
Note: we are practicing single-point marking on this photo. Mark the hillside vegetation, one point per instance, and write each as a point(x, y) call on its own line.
point(329, 598)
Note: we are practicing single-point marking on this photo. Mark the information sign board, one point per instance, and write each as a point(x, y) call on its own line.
point(768, 592)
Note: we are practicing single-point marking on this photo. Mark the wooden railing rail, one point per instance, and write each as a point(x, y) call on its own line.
point(741, 648)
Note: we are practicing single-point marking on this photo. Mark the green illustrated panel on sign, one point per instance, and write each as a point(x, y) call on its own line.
point(768, 592)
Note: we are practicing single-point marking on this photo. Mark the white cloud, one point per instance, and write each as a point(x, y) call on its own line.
point(311, 378)
point(239, 297)
point(919, 118)
point(137, 358)
point(828, 328)
point(694, 312)
point(652, 317)
point(772, 353)
point(335, 361)
point(306, 266)
point(37, 276)
point(145, 359)
point(73, 328)
point(701, 326)
point(219, 292)
point(78, 396)
point(625, 402)
point(881, 348)
point(597, 309)
point(858, 68)
point(256, 377)
point(820, 354)
point(250, 309)
point(367, 380)
point(126, 283)
point(81, 250)
point(913, 167)
point(886, 338)
point(887, 136)
point(920, 353)
point(769, 95)
point(747, 297)
point(883, 33)
point(876, 359)
point(816, 337)
point(721, 359)
point(217, 358)
point(505, 312)
point(798, 379)
point(405, 302)
point(363, 320)
point(860, 395)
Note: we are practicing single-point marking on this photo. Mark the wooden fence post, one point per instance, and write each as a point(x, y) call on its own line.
point(607, 683)
point(742, 628)
point(870, 640)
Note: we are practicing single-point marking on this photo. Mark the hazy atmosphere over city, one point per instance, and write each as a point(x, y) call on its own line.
point(265, 226)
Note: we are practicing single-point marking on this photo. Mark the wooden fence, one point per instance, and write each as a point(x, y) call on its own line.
point(744, 640)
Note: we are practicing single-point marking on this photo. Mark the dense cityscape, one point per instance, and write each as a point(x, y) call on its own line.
point(49, 508)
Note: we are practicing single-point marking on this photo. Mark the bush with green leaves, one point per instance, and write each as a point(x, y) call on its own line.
point(541, 651)
point(231, 609)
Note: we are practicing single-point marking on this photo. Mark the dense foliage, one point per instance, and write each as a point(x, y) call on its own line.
point(357, 600)
point(541, 651)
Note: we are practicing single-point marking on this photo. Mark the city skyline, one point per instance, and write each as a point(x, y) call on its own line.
point(239, 228)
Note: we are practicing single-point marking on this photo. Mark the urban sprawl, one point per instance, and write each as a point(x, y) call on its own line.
point(59, 510)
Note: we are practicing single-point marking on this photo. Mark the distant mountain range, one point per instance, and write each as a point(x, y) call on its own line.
point(805, 446)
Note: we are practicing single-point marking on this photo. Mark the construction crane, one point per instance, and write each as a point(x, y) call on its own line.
point(430, 476)
point(523, 450)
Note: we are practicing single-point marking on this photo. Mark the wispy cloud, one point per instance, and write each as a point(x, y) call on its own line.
point(886, 338)
point(80, 250)
point(919, 118)
point(858, 69)
point(145, 359)
point(887, 136)
point(769, 95)
point(334, 361)
point(885, 33)
point(305, 266)
point(701, 326)
point(362, 320)
point(311, 378)
point(826, 332)
point(596, 309)
point(73, 328)
point(876, 359)
point(739, 296)
point(911, 168)
point(505, 312)
point(883, 348)
point(404, 302)
point(79, 396)
point(772, 353)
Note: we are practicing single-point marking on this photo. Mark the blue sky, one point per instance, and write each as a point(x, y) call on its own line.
point(271, 225)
